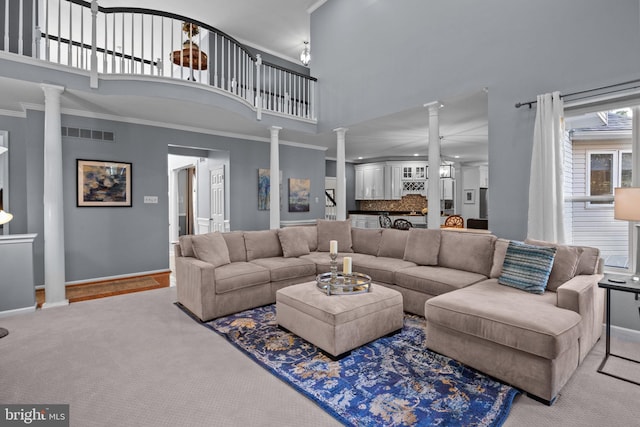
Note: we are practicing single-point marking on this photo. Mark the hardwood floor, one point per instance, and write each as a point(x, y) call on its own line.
point(93, 290)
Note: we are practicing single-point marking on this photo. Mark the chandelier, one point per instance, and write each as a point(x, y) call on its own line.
point(305, 55)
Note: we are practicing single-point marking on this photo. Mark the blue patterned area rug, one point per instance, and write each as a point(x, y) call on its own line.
point(393, 381)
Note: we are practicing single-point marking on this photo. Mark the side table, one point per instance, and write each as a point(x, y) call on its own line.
point(616, 283)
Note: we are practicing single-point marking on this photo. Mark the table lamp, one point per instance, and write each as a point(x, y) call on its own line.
point(626, 207)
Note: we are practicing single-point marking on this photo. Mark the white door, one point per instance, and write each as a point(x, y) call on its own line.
point(217, 199)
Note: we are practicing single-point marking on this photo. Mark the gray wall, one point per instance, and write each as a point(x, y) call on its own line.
point(350, 177)
point(402, 57)
point(104, 242)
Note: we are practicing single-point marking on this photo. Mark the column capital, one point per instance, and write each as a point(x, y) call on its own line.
point(51, 88)
point(433, 106)
point(341, 130)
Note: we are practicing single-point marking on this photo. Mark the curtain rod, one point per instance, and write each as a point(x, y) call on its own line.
point(530, 103)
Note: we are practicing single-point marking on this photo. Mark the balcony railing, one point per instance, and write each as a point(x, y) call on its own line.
point(134, 41)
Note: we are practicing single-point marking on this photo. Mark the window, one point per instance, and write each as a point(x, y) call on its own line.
point(607, 170)
point(407, 172)
point(599, 159)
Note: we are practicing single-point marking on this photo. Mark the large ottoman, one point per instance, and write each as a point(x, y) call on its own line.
point(338, 323)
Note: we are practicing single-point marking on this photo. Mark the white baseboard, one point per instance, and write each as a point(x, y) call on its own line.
point(15, 311)
point(625, 333)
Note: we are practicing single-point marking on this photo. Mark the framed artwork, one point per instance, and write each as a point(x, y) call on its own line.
point(103, 183)
point(469, 197)
point(299, 190)
point(264, 189)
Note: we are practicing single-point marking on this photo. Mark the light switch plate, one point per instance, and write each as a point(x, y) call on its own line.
point(151, 199)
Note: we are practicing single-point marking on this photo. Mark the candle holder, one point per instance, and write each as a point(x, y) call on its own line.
point(333, 268)
point(347, 283)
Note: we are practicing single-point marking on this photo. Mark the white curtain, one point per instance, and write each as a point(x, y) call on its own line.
point(546, 198)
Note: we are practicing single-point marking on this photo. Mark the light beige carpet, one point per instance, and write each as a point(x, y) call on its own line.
point(137, 360)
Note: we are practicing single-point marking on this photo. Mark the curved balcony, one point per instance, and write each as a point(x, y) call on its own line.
point(111, 42)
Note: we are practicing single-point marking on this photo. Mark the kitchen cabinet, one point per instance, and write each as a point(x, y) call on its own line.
point(446, 190)
point(370, 183)
point(393, 182)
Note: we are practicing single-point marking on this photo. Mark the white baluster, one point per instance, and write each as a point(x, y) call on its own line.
point(70, 45)
point(80, 53)
point(142, 44)
point(258, 100)
point(94, 41)
point(215, 59)
point(133, 26)
point(122, 44)
point(106, 45)
point(6, 25)
point(20, 27)
point(160, 61)
point(35, 38)
point(173, 30)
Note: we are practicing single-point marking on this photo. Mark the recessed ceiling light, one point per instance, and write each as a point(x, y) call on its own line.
point(360, 158)
point(416, 155)
point(456, 157)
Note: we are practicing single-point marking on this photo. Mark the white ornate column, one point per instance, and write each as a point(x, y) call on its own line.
point(54, 273)
point(433, 199)
point(274, 179)
point(341, 175)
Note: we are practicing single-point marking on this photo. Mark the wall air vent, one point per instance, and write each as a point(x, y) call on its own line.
point(89, 134)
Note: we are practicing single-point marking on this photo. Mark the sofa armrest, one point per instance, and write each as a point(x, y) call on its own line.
point(582, 295)
point(196, 286)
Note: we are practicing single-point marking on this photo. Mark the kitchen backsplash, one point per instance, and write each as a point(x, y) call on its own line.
point(410, 203)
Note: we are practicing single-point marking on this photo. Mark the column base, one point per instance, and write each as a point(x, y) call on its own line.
point(55, 304)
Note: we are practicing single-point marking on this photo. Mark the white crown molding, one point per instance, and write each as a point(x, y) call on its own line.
point(600, 134)
point(12, 113)
point(315, 6)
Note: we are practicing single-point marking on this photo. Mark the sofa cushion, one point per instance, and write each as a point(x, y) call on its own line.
point(262, 244)
point(211, 248)
point(293, 241)
point(381, 269)
point(235, 244)
point(311, 234)
point(334, 230)
point(467, 251)
point(186, 247)
point(589, 261)
point(507, 316)
point(393, 243)
point(498, 257)
point(281, 268)
point(565, 262)
point(422, 246)
point(366, 240)
point(239, 275)
point(432, 280)
point(527, 267)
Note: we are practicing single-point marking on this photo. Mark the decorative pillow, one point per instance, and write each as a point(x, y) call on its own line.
point(498, 257)
point(186, 246)
point(294, 242)
point(471, 252)
point(262, 244)
point(311, 234)
point(366, 240)
point(527, 267)
point(211, 248)
point(565, 263)
point(334, 230)
point(393, 243)
point(235, 245)
point(422, 246)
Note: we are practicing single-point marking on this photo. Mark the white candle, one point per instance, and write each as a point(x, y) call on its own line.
point(333, 246)
point(346, 265)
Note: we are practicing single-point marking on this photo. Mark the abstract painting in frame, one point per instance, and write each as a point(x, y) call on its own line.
point(299, 190)
point(264, 189)
point(103, 183)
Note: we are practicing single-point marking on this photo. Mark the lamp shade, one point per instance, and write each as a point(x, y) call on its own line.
point(626, 203)
point(5, 217)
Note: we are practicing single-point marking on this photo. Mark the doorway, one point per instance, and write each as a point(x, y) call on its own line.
point(186, 198)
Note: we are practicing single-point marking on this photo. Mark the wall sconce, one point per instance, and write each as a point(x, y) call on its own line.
point(305, 55)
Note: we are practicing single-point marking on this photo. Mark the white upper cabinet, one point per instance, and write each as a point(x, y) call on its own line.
point(370, 181)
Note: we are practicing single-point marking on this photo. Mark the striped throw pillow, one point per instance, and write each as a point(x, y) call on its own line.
point(527, 267)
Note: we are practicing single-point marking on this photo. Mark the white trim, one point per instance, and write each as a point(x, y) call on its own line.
point(315, 6)
point(600, 135)
point(625, 333)
point(10, 239)
point(15, 311)
point(48, 305)
point(298, 222)
point(12, 113)
point(204, 225)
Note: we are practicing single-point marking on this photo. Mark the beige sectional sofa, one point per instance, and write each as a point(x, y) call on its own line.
point(532, 341)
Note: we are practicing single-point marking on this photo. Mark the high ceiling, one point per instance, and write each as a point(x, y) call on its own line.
point(279, 27)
